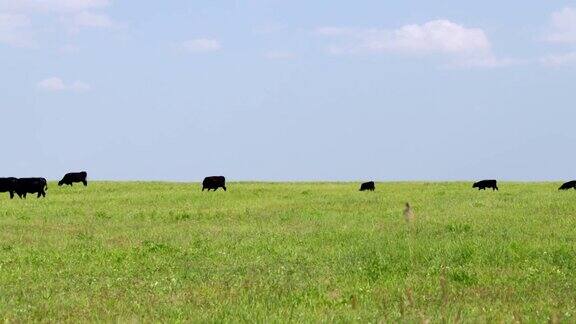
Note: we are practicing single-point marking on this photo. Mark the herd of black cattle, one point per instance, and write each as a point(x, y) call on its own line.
point(481, 185)
point(24, 186)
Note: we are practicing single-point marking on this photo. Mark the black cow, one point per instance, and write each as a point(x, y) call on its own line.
point(214, 182)
point(482, 185)
point(70, 178)
point(568, 185)
point(367, 186)
point(25, 186)
point(8, 185)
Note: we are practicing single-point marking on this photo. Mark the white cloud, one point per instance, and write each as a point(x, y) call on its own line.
point(52, 84)
point(438, 36)
point(279, 55)
point(87, 19)
point(15, 30)
point(464, 47)
point(201, 45)
point(74, 15)
point(563, 26)
point(567, 59)
point(55, 84)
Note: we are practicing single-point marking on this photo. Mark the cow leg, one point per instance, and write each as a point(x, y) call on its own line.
point(85, 183)
point(11, 194)
point(203, 188)
point(224, 187)
point(71, 184)
point(39, 194)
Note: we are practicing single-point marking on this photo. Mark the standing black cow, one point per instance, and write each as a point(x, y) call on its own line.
point(482, 185)
point(70, 178)
point(25, 186)
point(8, 185)
point(367, 186)
point(568, 185)
point(214, 182)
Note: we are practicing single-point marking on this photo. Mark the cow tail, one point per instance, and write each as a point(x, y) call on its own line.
point(45, 185)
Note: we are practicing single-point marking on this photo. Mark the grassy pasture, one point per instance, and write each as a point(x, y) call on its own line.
point(147, 251)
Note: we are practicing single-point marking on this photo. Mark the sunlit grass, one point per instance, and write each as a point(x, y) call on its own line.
point(289, 252)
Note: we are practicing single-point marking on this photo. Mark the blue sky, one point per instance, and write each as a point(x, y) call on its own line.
point(288, 90)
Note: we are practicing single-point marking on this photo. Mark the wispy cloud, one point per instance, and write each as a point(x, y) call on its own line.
point(201, 45)
point(465, 47)
point(15, 30)
point(93, 20)
point(56, 84)
point(561, 30)
point(17, 17)
point(438, 36)
point(558, 60)
point(563, 26)
point(57, 6)
point(87, 19)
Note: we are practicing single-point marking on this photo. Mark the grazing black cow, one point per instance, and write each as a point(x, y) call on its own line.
point(8, 185)
point(214, 182)
point(568, 185)
point(70, 178)
point(25, 186)
point(367, 186)
point(482, 185)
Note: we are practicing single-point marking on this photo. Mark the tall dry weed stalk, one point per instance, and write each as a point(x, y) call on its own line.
point(409, 214)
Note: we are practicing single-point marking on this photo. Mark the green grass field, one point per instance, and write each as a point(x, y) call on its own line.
point(146, 251)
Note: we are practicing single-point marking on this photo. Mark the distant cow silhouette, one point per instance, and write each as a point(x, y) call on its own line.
point(25, 186)
point(568, 185)
point(214, 183)
point(8, 185)
point(70, 178)
point(482, 185)
point(367, 186)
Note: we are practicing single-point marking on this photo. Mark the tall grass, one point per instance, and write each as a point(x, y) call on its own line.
point(289, 252)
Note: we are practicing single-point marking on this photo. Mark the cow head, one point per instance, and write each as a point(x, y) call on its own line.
point(475, 185)
point(60, 183)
